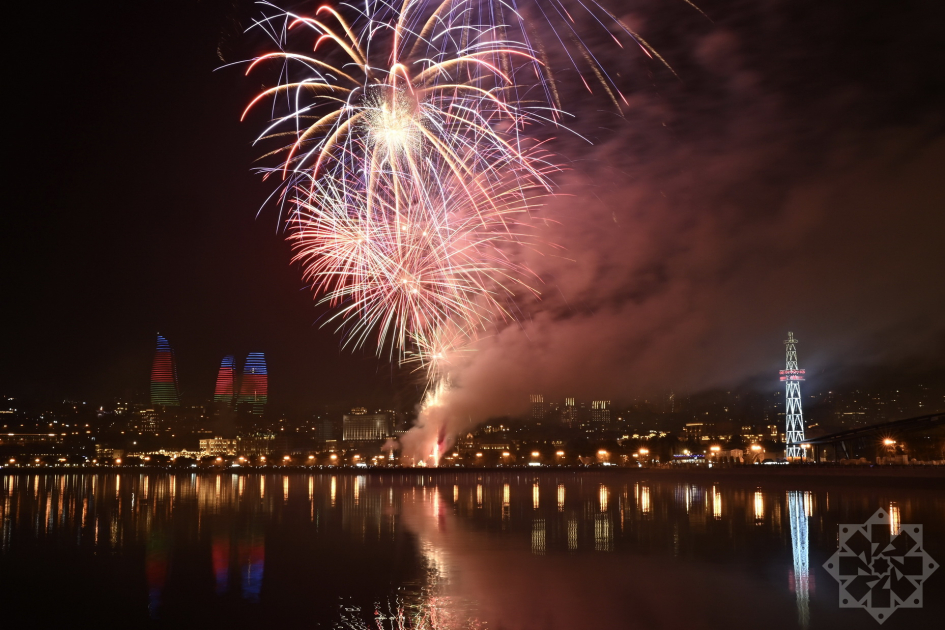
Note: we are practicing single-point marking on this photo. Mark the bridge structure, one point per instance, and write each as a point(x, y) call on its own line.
point(887, 437)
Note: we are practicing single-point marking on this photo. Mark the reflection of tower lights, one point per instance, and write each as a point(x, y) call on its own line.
point(538, 536)
point(797, 514)
point(894, 522)
point(716, 503)
point(759, 507)
point(603, 536)
point(535, 495)
point(603, 498)
point(561, 497)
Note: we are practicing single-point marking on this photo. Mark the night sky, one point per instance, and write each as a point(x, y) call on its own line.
point(800, 147)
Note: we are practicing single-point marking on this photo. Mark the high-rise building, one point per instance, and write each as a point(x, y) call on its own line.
point(365, 427)
point(538, 407)
point(254, 388)
point(600, 412)
point(569, 416)
point(226, 381)
point(794, 416)
point(164, 376)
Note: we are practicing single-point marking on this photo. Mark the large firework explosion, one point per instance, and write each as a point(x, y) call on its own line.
point(407, 173)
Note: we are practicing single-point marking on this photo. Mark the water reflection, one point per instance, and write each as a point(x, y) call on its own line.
point(459, 551)
point(798, 513)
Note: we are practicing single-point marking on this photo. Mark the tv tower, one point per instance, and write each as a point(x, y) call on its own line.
point(794, 416)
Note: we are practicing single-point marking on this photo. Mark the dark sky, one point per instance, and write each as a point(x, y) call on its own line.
point(801, 146)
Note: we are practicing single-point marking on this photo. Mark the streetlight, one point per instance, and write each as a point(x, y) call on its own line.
point(889, 442)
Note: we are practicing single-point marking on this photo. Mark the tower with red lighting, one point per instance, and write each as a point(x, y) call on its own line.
point(794, 415)
point(226, 382)
point(164, 376)
point(254, 387)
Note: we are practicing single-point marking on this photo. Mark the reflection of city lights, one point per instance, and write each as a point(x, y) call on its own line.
point(478, 494)
point(334, 490)
point(604, 495)
point(561, 497)
point(505, 495)
point(645, 499)
point(455, 494)
point(759, 507)
point(535, 496)
point(716, 503)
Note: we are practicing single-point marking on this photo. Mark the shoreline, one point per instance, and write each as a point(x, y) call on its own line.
point(744, 473)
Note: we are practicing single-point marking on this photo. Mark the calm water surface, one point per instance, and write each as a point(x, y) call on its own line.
point(514, 550)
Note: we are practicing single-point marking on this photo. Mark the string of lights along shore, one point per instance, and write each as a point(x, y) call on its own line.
point(793, 413)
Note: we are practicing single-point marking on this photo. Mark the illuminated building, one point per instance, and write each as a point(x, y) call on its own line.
point(254, 388)
point(164, 376)
point(794, 416)
point(365, 427)
point(217, 446)
point(538, 406)
point(600, 411)
point(226, 381)
point(569, 416)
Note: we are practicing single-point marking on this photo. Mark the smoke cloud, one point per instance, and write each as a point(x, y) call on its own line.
point(773, 187)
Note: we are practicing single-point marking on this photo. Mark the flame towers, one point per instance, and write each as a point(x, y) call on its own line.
point(794, 416)
point(164, 376)
point(226, 381)
point(254, 388)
